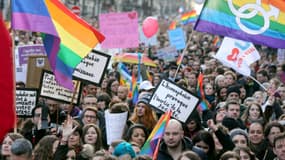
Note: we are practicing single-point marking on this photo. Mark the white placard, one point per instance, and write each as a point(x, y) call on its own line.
point(170, 96)
point(115, 124)
point(50, 89)
point(93, 67)
point(26, 100)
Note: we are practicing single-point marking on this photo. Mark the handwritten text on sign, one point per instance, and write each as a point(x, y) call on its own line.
point(26, 100)
point(170, 96)
point(50, 89)
point(93, 67)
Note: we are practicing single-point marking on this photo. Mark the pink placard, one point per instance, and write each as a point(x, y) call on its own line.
point(120, 30)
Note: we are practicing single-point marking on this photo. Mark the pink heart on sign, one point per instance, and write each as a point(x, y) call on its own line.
point(132, 15)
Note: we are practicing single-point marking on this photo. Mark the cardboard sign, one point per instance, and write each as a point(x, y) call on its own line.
point(170, 96)
point(93, 67)
point(26, 100)
point(168, 54)
point(50, 89)
point(25, 51)
point(119, 29)
point(177, 38)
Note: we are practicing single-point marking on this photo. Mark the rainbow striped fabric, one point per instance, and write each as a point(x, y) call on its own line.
point(189, 17)
point(152, 143)
point(68, 39)
point(172, 25)
point(258, 21)
point(204, 104)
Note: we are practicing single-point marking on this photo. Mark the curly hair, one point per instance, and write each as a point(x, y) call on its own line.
point(44, 149)
point(149, 118)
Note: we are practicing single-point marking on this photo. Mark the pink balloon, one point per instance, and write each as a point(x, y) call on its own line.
point(150, 27)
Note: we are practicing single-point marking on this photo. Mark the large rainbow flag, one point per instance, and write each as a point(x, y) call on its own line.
point(67, 40)
point(258, 21)
point(152, 143)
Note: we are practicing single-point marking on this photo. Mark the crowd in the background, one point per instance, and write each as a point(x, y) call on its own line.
point(244, 122)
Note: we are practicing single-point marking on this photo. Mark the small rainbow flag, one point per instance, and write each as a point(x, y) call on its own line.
point(67, 40)
point(152, 143)
point(125, 76)
point(179, 59)
point(204, 104)
point(172, 25)
point(216, 41)
point(189, 17)
point(264, 24)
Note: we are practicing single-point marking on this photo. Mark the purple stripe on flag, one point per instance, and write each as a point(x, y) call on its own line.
point(33, 22)
point(205, 26)
point(64, 80)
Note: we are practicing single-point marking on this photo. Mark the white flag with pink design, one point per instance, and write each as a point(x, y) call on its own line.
point(237, 54)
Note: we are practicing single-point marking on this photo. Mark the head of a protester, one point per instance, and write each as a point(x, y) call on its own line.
point(233, 93)
point(114, 144)
point(143, 113)
point(230, 78)
point(221, 94)
point(205, 141)
point(259, 97)
point(38, 112)
point(91, 89)
point(189, 155)
point(220, 81)
point(137, 133)
point(232, 109)
point(91, 134)
point(220, 112)
point(271, 130)
point(247, 101)
point(146, 86)
point(256, 134)
point(89, 115)
point(112, 87)
point(7, 143)
point(230, 155)
point(89, 101)
point(279, 146)
point(123, 93)
point(124, 148)
point(21, 149)
point(192, 125)
point(244, 153)
point(46, 147)
point(74, 140)
point(262, 76)
point(239, 137)
point(253, 113)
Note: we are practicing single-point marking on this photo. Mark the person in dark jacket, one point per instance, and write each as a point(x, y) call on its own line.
point(174, 143)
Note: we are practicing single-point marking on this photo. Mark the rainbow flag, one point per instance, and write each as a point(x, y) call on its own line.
point(216, 41)
point(204, 104)
point(189, 17)
point(172, 25)
point(134, 90)
point(67, 40)
point(125, 76)
point(152, 143)
point(260, 22)
point(179, 59)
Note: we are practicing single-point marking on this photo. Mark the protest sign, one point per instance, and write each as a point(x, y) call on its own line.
point(168, 54)
point(169, 96)
point(36, 63)
point(26, 100)
point(25, 51)
point(115, 124)
point(177, 38)
point(50, 89)
point(119, 29)
point(93, 67)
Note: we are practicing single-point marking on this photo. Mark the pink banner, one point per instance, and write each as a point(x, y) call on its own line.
point(120, 30)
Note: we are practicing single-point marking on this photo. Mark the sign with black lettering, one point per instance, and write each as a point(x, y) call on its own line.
point(50, 89)
point(170, 96)
point(26, 100)
point(92, 68)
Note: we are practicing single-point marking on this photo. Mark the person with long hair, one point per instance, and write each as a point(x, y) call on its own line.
point(245, 153)
point(205, 141)
point(193, 125)
point(143, 114)
point(7, 143)
point(46, 148)
point(253, 113)
point(137, 134)
point(91, 134)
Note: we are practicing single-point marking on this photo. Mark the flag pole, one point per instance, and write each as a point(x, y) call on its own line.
point(183, 54)
point(74, 92)
point(258, 83)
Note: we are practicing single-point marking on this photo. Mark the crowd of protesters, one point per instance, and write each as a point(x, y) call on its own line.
point(245, 120)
